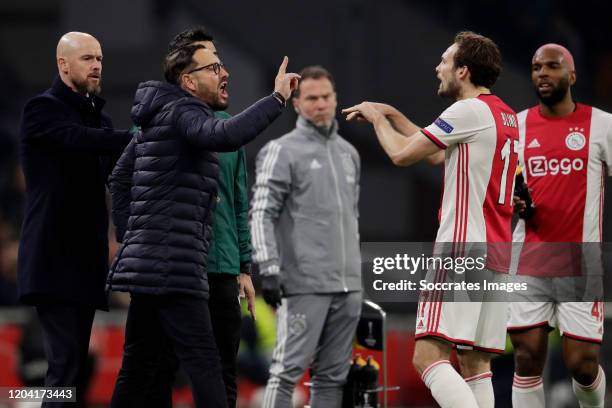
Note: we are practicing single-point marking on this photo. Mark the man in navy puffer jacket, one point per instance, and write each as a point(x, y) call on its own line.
point(164, 189)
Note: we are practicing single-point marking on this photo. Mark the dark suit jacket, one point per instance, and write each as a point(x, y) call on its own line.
point(67, 149)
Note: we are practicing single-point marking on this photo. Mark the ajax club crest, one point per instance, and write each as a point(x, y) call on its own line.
point(297, 324)
point(575, 140)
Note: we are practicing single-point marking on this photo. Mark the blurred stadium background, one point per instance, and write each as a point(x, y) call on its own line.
point(377, 50)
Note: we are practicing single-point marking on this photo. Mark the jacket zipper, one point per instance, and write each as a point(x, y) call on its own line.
point(331, 164)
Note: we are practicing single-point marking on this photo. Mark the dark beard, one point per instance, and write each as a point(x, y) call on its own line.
point(452, 90)
point(211, 99)
point(218, 106)
point(556, 95)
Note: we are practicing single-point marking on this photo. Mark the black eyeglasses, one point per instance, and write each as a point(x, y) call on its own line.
point(215, 67)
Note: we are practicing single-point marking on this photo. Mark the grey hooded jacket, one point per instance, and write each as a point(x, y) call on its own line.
point(304, 212)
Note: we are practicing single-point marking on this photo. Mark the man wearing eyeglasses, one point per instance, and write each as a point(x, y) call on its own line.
point(229, 254)
point(164, 191)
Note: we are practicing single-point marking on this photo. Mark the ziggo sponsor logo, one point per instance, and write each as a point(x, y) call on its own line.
point(540, 166)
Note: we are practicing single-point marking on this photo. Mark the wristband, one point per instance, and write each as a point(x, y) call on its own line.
point(280, 98)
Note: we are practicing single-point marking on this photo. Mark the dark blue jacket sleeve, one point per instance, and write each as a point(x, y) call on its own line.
point(241, 209)
point(120, 188)
point(224, 135)
point(46, 120)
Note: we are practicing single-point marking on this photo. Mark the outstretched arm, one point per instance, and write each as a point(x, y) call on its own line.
point(403, 143)
point(406, 127)
point(225, 135)
point(228, 135)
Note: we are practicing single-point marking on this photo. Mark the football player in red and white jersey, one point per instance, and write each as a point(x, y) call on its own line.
point(477, 138)
point(565, 148)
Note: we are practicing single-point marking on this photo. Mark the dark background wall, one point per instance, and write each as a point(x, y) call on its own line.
point(378, 50)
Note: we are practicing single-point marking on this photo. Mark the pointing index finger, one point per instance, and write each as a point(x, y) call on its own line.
point(283, 66)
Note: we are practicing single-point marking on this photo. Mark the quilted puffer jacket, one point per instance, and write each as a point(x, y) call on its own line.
point(164, 188)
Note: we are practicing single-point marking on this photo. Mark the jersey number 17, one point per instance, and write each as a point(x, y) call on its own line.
point(509, 149)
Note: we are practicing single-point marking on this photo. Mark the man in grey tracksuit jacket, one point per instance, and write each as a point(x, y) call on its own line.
point(304, 223)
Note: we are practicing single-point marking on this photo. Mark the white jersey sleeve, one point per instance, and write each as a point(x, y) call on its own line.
point(521, 118)
point(601, 124)
point(459, 123)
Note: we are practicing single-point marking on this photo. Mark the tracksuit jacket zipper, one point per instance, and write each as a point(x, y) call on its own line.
point(339, 197)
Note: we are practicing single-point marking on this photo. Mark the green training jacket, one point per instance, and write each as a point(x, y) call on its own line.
point(230, 247)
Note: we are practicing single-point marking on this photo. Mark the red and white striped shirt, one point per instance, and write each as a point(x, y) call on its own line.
point(564, 164)
point(480, 136)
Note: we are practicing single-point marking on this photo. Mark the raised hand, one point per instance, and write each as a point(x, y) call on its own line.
point(285, 83)
point(365, 111)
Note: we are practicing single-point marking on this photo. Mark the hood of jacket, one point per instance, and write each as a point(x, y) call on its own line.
point(150, 99)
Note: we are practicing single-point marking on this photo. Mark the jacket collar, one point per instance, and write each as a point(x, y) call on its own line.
point(309, 128)
point(80, 102)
